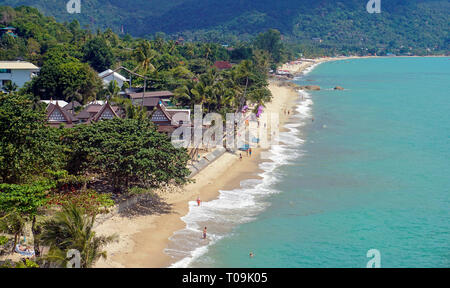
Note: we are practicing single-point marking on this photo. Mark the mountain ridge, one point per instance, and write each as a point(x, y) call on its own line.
point(420, 24)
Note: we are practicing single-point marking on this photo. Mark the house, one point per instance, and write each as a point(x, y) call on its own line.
point(61, 103)
point(11, 31)
point(109, 75)
point(57, 116)
point(151, 99)
point(72, 107)
point(17, 72)
point(95, 112)
point(168, 120)
point(222, 65)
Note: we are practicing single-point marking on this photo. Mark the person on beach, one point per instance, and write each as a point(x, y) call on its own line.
point(199, 201)
point(250, 152)
point(240, 156)
point(204, 233)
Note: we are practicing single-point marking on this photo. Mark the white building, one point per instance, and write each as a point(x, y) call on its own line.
point(108, 76)
point(17, 72)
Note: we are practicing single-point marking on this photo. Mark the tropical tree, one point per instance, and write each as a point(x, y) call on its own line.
point(27, 146)
point(12, 223)
point(98, 54)
point(127, 151)
point(73, 229)
point(10, 87)
point(144, 55)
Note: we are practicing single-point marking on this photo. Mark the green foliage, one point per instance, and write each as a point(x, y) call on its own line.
point(127, 150)
point(73, 229)
point(63, 77)
point(98, 54)
point(25, 198)
point(270, 41)
point(344, 25)
point(28, 264)
point(26, 145)
point(3, 240)
point(90, 201)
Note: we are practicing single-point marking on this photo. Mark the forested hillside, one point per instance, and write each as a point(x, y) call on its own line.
point(418, 27)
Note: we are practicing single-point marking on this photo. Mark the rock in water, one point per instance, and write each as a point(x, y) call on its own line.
point(310, 87)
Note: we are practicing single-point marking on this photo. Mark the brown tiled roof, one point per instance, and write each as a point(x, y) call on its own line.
point(106, 106)
point(151, 102)
point(157, 94)
point(222, 65)
point(72, 105)
point(68, 116)
point(93, 109)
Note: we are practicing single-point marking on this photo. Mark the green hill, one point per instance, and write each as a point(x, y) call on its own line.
point(403, 26)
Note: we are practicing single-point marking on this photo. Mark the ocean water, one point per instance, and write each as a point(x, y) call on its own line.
point(360, 169)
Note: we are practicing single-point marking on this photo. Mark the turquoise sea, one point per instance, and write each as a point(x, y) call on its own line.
point(372, 171)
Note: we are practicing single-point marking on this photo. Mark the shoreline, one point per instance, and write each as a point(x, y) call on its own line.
point(133, 249)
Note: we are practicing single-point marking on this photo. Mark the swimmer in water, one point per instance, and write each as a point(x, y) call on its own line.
point(251, 255)
point(204, 233)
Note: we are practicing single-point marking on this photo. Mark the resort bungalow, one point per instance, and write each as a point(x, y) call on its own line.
point(109, 75)
point(17, 72)
point(95, 112)
point(222, 65)
point(57, 115)
point(151, 99)
point(168, 120)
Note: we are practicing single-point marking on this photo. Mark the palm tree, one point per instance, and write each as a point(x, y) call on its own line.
point(73, 229)
point(12, 223)
point(144, 54)
point(10, 87)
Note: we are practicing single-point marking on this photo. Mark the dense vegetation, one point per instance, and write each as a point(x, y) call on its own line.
point(344, 26)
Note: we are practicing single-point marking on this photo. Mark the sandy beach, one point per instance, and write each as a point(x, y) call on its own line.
point(142, 239)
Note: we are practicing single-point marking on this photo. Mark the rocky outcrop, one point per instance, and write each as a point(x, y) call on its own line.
point(310, 87)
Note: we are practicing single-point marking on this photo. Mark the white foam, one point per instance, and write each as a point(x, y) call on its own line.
point(240, 205)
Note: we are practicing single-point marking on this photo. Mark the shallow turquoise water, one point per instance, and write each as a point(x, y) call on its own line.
point(373, 173)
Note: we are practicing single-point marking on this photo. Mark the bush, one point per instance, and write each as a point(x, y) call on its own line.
point(91, 201)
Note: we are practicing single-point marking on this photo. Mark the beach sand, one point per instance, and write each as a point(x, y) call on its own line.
point(142, 239)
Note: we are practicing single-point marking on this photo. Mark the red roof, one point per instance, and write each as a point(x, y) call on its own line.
point(222, 65)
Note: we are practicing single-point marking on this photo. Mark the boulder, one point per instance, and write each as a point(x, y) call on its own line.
point(310, 87)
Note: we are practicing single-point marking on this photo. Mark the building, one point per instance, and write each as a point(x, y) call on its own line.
point(109, 75)
point(17, 72)
point(57, 115)
point(151, 99)
point(222, 65)
point(11, 31)
point(95, 112)
point(168, 120)
point(61, 103)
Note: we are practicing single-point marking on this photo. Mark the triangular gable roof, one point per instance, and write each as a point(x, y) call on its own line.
point(105, 109)
point(162, 109)
point(110, 72)
point(52, 109)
